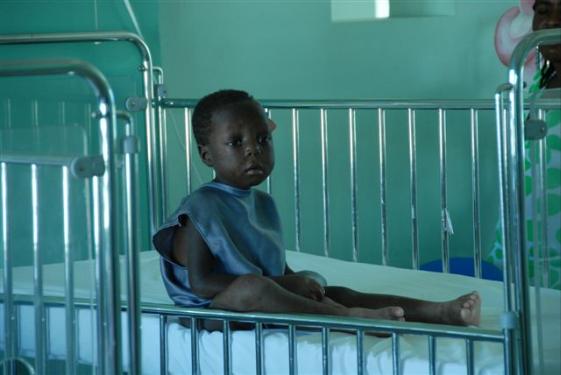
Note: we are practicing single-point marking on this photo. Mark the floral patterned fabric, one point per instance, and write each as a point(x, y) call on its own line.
point(553, 194)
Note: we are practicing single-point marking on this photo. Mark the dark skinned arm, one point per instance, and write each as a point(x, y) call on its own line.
point(206, 283)
point(200, 262)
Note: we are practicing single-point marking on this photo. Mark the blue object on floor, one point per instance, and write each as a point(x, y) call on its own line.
point(464, 266)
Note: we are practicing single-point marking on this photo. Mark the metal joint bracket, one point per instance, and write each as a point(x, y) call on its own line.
point(535, 129)
point(130, 144)
point(87, 166)
point(136, 104)
point(509, 320)
point(160, 90)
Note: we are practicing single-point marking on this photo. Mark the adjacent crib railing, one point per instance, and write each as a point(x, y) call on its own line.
point(513, 131)
point(96, 169)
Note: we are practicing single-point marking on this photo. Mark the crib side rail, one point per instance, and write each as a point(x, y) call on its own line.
point(104, 236)
point(511, 130)
point(298, 121)
point(325, 325)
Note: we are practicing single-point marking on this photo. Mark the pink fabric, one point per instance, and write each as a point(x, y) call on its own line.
point(513, 25)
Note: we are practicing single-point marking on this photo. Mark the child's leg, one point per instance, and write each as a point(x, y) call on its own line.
point(257, 293)
point(464, 310)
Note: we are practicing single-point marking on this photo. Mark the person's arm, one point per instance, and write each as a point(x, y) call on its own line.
point(299, 284)
point(191, 251)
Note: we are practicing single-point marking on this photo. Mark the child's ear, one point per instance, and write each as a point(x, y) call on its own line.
point(205, 155)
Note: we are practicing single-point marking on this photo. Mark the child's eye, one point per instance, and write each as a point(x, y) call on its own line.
point(264, 139)
point(234, 143)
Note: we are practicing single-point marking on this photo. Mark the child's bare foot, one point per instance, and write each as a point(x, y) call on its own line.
point(386, 313)
point(463, 311)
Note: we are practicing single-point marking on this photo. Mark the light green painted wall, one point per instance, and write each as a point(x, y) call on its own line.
point(291, 49)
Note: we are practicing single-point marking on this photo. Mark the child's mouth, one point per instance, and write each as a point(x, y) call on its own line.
point(254, 171)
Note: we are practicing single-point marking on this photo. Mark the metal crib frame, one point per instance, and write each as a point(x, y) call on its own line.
point(516, 334)
point(511, 138)
point(99, 169)
point(325, 323)
point(155, 173)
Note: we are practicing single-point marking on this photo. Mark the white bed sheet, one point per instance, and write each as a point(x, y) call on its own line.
point(414, 350)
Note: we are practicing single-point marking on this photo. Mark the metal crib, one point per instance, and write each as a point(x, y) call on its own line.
point(515, 335)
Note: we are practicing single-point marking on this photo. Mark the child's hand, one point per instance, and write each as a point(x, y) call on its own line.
point(301, 285)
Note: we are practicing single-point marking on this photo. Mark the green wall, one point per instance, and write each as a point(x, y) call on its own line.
point(292, 50)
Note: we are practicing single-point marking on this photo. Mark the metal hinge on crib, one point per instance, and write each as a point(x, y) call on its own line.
point(87, 166)
point(535, 129)
point(130, 144)
point(136, 103)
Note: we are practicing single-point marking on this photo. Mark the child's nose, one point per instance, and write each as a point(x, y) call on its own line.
point(253, 149)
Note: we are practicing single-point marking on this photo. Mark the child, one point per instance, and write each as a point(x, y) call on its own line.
point(222, 248)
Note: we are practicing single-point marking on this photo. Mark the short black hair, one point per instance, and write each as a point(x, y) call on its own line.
point(208, 105)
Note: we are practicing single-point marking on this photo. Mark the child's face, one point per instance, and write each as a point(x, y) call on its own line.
point(240, 148)
point(547, 15)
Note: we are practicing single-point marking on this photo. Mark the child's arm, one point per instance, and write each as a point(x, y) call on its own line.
point(300, 284)
point(191, 251)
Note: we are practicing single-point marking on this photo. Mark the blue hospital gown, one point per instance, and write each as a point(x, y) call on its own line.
point(240, 227)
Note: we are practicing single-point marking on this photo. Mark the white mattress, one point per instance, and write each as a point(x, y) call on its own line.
point(414, 350)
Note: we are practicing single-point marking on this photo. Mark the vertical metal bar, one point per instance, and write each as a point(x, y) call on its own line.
point(503, 164)
point(383, 206)
point(475, 191)
point(352, 158)
point(91, 216)
point(292, 355)
point(155, 193)
point(518, 228)
point(68, 277)
point(270, 177)
point(324, 184)
point(9, 311)
point(259, 348)
point(413, 188)
point(108, 270)
point(38, 302)
point(542, 146)
point(444, 218)
point(296, 169)
point(226, 347)
point(539, 221)
point(360, 365)
point(325, 350)
point(469, 356)
point(131, 246)
point(395, 353)
point(188, 148)
point(194, 346)
point(160, 125)
point(163, 319)
point(432, 355)
point(97, 248)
